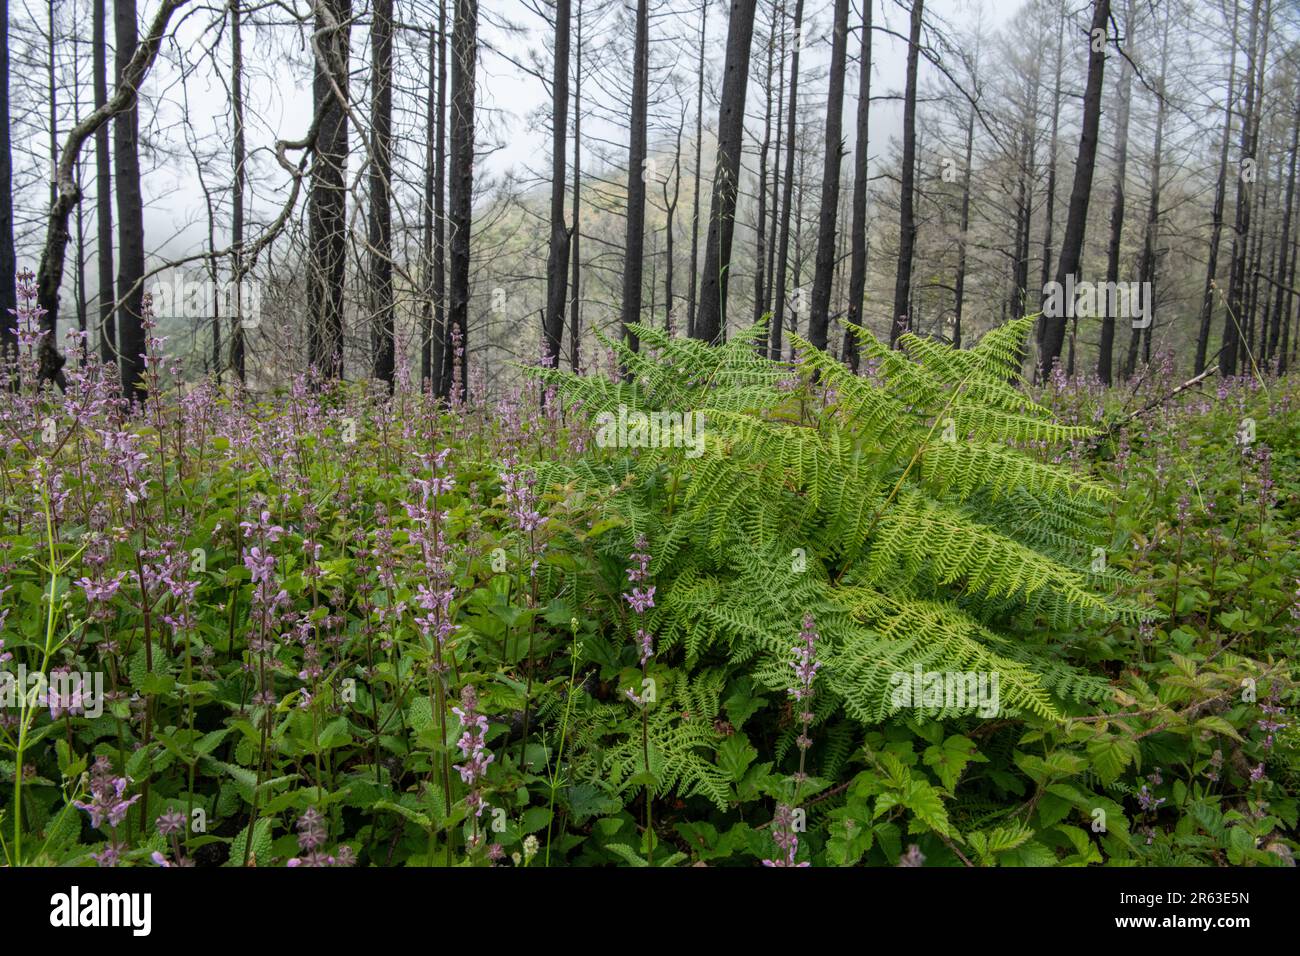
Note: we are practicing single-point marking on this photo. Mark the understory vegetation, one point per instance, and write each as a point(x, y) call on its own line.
point(922, 615)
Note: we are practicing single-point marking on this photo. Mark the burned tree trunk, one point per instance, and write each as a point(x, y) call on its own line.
point(900, 320)
point(710, 323)
point(326, 205)
point(1081, 192)
point(824, 269)
point(557, 260)
point(634, 243)
point(463, 57)
point(858, 228)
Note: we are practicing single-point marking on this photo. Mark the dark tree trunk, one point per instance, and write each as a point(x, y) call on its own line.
point(900, 320)
point(557, 261)
point(1105, 355)
point(1080, 193)
point(464, 55)
point(575, 310)
point(54, 106)
point(824, 269)
point(634, 244)
point(760, 229)
point(774, 214)
point(8, 259)
point(670, 207)
point(1260, 201)
point(237, 201)
point(858, 229)
point(1282, 310)
point(1049, 213)
point(380, 226)
point(787, 189)
point(711, 321)
point(1232, 332)
point(1286, 358)
point(442, 353)
point(692, 298)
point(1147, 271)
point(327, 204)
point(130, 213)
point(103, 195)
point(964, 226)
point(426, 231)
point(1261, 198)
point(1025, 199)
point(1220, 189)
point(83, 347)
point(50, 273)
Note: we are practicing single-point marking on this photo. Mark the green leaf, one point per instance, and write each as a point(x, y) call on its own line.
point(415, 816)
point(735, 754)
point(950, 759)
point(1110, 755)
point(924, 801)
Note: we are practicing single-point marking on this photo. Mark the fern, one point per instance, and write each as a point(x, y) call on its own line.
point(912, 511)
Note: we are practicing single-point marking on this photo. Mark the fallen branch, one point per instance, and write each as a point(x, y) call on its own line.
point(1156, 403)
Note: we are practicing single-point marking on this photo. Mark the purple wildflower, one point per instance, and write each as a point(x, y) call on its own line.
point(106, 798)
point(913, 857)
point(473, 747)
point(785, 837)
point(173, 821)
point(1147, 800)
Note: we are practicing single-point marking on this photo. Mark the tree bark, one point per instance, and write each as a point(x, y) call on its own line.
point(692, 297)
point(1025, 198)
point(1282, 310)
point(964, 227)
point(464, 55)
point(774, 215)
point(426, 231)
point(1220, 189)
point(50, 273)
point(104, 296)
point(442, 353)
point(1080, 193)
point(1049, 213)
point(8, 258)
point(327, 203)
point(130, 206)
point(670, 207)
point(634, 241)
point(1105, 355)
point(760, 229)
point(900, 320)
point(858, 229)
point(575, 310)
point(1147, 271)
point(787, 189)
point(824, 268)
point(711, 321)
point(1232, 331)
point(557, 261)
point(237, 349)
point(380, 225)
